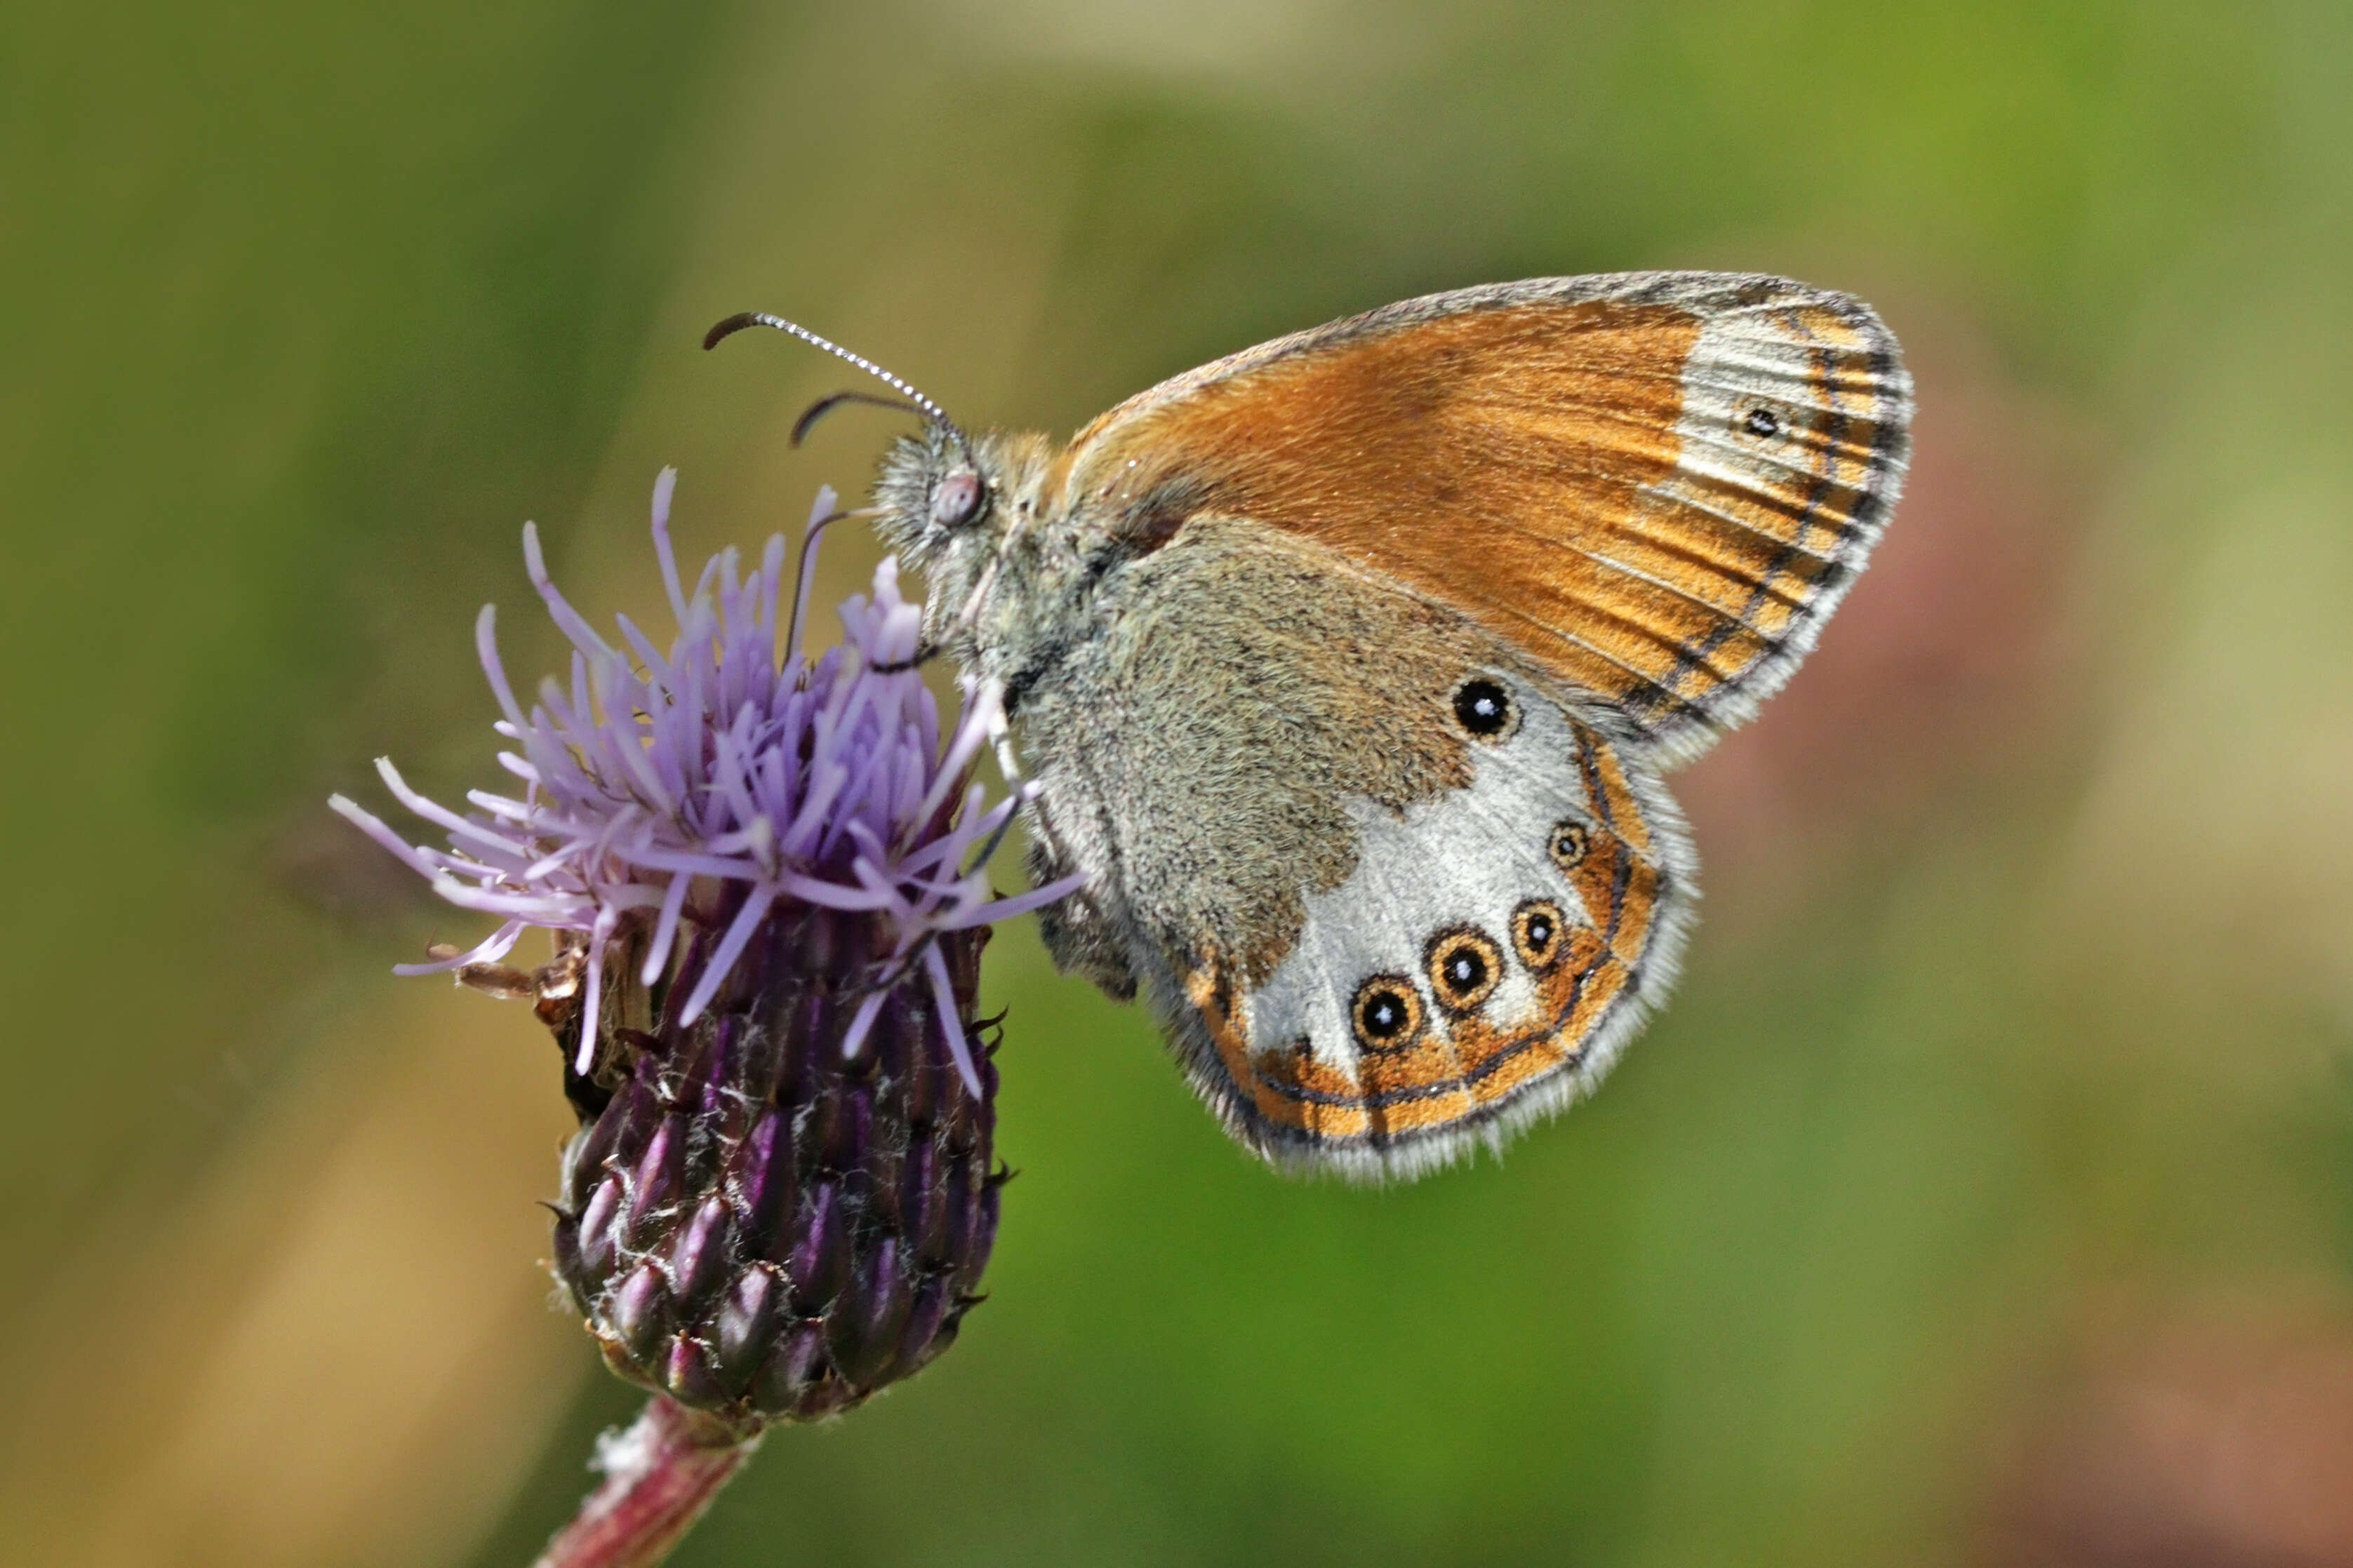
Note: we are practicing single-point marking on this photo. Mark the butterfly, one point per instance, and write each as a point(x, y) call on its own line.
point(1348, 669)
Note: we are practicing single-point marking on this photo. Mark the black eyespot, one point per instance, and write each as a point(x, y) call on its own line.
point(955, 500)
point(1569, 845)
point(1387, 1011)
point(1464, 965)
point(1535, 932)
point(1761, 422)
point(1483, 707)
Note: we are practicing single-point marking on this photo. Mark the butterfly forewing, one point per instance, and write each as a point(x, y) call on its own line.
point(1656, 486)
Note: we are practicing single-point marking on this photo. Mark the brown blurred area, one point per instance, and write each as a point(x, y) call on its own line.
point(2221, 1437)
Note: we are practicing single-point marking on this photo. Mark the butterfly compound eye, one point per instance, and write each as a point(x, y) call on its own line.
point(955, 500)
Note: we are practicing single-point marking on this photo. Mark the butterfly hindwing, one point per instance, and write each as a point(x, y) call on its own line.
point(1482, 964)
point(1293, 786)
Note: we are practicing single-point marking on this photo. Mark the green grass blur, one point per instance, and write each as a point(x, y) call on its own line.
point(2008, 1092)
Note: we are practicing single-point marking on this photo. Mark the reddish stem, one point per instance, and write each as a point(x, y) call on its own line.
point(660, 1475)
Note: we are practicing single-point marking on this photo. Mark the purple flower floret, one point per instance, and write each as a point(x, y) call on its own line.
point(654, 783)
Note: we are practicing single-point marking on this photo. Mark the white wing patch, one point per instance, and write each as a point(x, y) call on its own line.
point(1771, 410)
point(1470, 859)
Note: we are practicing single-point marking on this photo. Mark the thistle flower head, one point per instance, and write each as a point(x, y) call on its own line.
point(764, 878)
point(727, 774)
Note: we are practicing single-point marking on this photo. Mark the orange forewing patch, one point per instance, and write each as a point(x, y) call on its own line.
point(1522, 463)
point(1447, 455)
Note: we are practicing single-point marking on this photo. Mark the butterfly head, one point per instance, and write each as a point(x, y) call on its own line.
point(951, 505)
point(937, 492)
point(948, 501)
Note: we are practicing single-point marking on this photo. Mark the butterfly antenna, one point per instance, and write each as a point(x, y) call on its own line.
point(927, 406)
point(833, 400)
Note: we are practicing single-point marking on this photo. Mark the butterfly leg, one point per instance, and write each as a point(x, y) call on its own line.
point(1009, 767)
point(1076, 932)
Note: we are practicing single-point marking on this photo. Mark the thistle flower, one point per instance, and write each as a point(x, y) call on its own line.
point(764, 879)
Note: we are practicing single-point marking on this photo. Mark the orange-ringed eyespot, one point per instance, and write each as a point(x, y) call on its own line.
point(1535, 932)
point(1387, 1011)
point(1464, 964)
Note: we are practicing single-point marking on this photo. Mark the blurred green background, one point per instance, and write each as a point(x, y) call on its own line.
point(1986, 1196)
